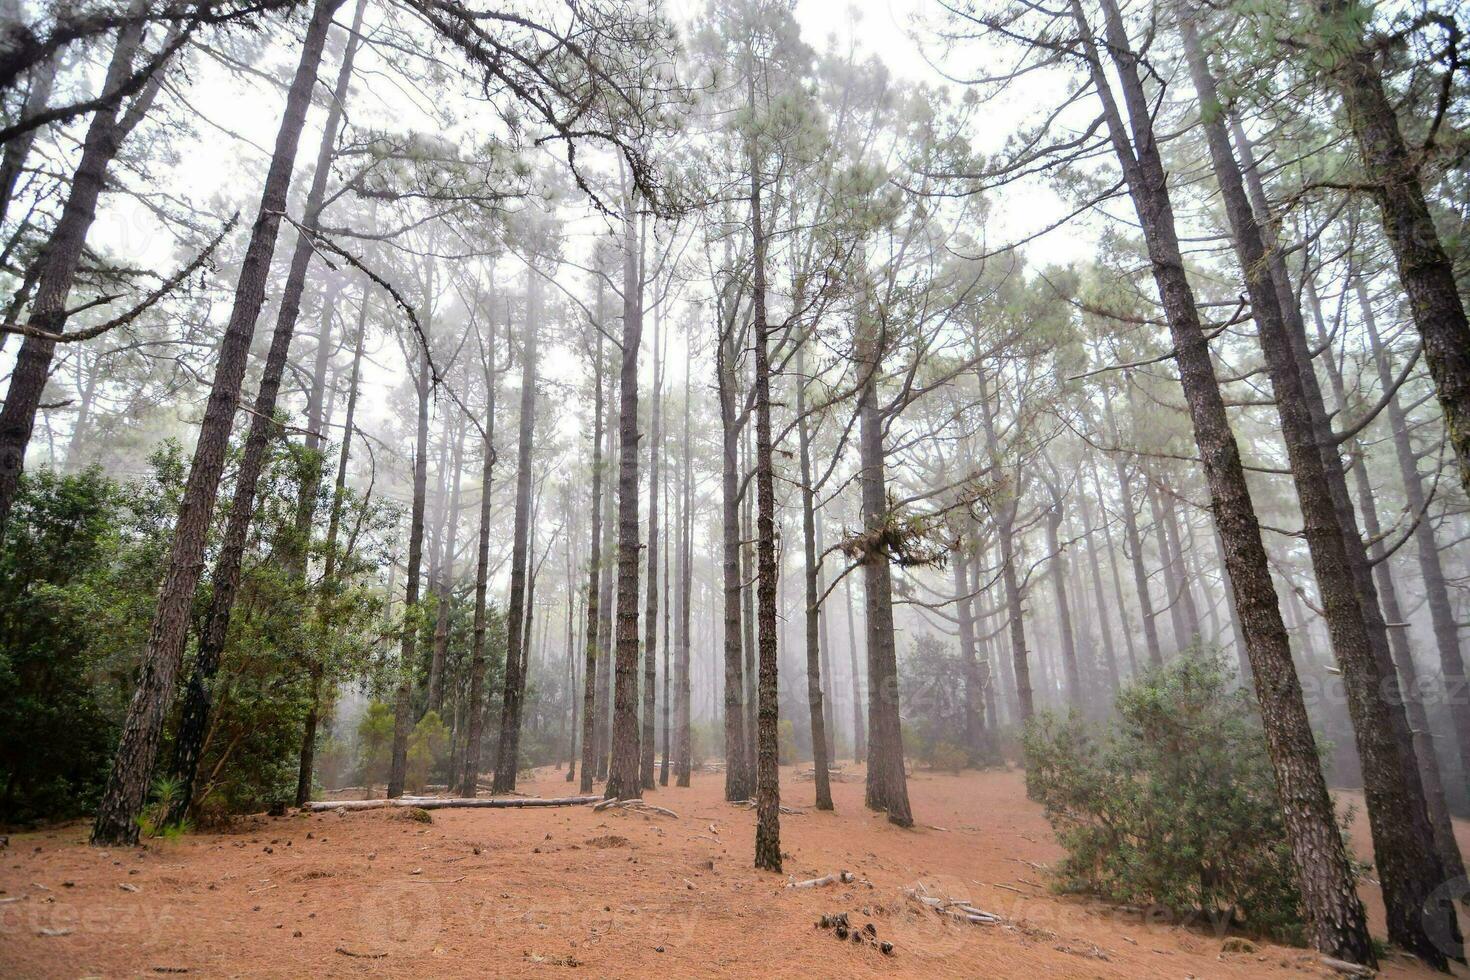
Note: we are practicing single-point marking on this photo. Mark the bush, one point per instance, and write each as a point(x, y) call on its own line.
point(1176, 806)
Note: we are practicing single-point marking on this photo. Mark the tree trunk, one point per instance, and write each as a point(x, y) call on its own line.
point(507, 762)
point(1409, 863)
point(470, 778)
point(330, 585)
point(859, 729)
point(1105, 625)
point(1005, 521)
point(132, 771)
point(1431, 570)
point(767, 775)
point(402, 703)
point(1421, 736)
point(594, 568)
point(1424, 268)
point(650, 625)
point(817, 703)
point(685, 694)
point(738, 782)
point(623, 777)
point(1336, 922)
point(887, 784)
point(605, 605)
point(43, 78)
point(1058, 564)
point(974, 690)
point(1134, 547)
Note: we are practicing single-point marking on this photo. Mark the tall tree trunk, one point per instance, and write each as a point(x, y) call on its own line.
point(56, 266)
point(1336, 922)
point(747, 626)
point(623, 777)
point(1053, 519)
point(605, 605)
point(445, 583)
point(1421, 736)
point(1181, 592)
point(1409, 863)
point(43, 78)
point(470, 778)
point(738, 782)
point(887, 784)
point(974, 690)
point(767, 775)
point(650, 626)
point(1424, 267)
point(330, 584)
point(1133, 542)
point(817, 703)
point(132, 771)
point(507, 761)
point(829, 691)
point(859, 729)
point(1005, 524)
point(682, 713)
point(1431, 569)
point(408, 651)
point(1105, 625)
point(594, 568)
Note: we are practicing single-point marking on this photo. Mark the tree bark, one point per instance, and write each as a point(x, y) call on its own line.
point(623, 777)
point(132, 771)
point(887, 784)
point(738, 782)
point(859, 729)
point(817, 703)
point(594, 568)
point(650, 624)
point(685, 694)
point(767, 775)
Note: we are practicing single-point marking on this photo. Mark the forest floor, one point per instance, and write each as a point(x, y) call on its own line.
point(567, 891)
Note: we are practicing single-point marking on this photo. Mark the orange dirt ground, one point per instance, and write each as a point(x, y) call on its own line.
point(566, 891)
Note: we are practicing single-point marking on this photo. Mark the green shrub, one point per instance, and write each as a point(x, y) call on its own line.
point(1174, 807)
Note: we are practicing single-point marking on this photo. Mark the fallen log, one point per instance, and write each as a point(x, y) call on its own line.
point(1351, 969)
point(837, 877)
point(447, 803)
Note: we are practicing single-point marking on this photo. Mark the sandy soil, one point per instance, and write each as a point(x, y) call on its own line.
point(567, 891)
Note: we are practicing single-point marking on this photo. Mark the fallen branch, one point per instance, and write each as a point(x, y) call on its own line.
point(361, 956)
point(1343, 966)
point(447, 803)
point(837, 877)
point(960, 911)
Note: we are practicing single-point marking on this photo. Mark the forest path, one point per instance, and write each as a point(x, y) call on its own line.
point(568, 891)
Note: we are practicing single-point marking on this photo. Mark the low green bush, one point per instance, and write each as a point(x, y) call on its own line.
point(1175, 805)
